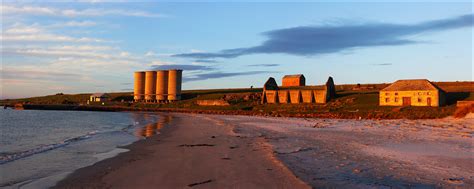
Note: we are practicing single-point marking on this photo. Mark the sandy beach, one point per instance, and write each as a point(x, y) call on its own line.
point(216, 151)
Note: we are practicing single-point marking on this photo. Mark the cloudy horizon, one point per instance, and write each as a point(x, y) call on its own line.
point(82, 47)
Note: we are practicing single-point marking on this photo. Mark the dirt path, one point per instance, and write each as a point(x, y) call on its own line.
point(194, 151)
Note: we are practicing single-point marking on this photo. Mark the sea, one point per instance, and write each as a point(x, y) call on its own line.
point(40, 147)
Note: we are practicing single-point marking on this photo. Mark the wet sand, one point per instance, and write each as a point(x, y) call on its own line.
point(216, 151)
point(193, 151)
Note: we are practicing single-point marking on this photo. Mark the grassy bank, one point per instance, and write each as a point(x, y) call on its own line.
point(349, 103)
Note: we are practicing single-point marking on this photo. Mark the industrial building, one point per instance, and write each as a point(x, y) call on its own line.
point(415, 92)
point(295, 91)
point(157, 86)
point(297, 80)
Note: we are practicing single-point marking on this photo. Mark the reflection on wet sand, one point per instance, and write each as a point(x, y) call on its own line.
point(153, 128)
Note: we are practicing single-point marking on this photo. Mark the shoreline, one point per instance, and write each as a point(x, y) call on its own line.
point(208, 154)
point(325, 115)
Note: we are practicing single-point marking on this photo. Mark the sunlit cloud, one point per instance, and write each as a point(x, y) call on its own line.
point(90, 12)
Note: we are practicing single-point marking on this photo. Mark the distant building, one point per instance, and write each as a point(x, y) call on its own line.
point(272, 93)
point(293, 80)
point(99, 97)
point(416, 92)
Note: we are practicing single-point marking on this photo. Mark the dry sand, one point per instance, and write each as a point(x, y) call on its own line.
point(216, 151)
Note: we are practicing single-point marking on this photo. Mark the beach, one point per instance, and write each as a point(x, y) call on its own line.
point(216, 151)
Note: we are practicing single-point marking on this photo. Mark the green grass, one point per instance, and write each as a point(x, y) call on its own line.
point(347, 104)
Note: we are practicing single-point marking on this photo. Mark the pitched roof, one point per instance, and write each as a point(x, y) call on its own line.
point(271, 84)
point(411, 85)
point(293, 76)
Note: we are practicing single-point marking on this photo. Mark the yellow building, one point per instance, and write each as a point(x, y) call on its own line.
point(272, 93)
point(416, 92)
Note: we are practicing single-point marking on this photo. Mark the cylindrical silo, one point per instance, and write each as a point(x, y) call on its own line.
point(161, 85)
point(150, 86)
point(174, 84)
point(139, 86)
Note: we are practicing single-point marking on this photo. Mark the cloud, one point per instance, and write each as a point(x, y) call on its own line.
point(382, 64)
point(34, 33)
point(79, 51)
point(91, 12)
point(150, 54)
point(186, 67)
point(38, 75)
point(317, 40)
point(77, 24)
point(205, 61)
point(264, 65)
point(218, 74)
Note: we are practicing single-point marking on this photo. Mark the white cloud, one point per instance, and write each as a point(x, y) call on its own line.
point(90, 12)
point(150, 54)
point(35, 33)
point(124, 54)
point(76, 24)
point(160, 63)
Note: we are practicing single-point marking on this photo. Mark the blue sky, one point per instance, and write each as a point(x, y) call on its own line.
point(95, 46)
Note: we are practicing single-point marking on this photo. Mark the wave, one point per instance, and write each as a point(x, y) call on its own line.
point(9, 157)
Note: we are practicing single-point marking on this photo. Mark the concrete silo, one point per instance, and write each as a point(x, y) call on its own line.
point(161, 85)
point(174, 84)
point(139, 86)
point(150, 86)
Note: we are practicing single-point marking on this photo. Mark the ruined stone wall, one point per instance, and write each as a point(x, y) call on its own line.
point(212, 103)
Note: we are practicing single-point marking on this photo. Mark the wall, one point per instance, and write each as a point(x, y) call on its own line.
point(212, 103)
point(283, 97)
point(414, 96)
point(307, 96)
point(271, 96)
point(295, 96)
point(320, 96)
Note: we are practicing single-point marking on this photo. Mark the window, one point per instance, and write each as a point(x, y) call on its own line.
point(419, 93)
point(386, 94)
point(387, 99)
point(396, 98)
point(396, 93)
point(428, 93)
point(419, 100)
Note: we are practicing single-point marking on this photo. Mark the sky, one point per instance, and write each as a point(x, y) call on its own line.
point(85, 46)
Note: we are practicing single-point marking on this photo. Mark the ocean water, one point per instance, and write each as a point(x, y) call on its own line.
point(39, 147)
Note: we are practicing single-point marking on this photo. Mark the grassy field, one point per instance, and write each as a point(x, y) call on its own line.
point(349, 103)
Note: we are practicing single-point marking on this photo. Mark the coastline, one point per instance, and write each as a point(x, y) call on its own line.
point(190, 151)
point(331, 115)
point(219, 151)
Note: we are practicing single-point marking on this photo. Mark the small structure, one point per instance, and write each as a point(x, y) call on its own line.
point(99, 97)
point(297, 80)
point(416, 92)
point(272, 93)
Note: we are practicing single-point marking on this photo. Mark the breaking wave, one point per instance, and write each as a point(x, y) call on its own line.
point(9, 157)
